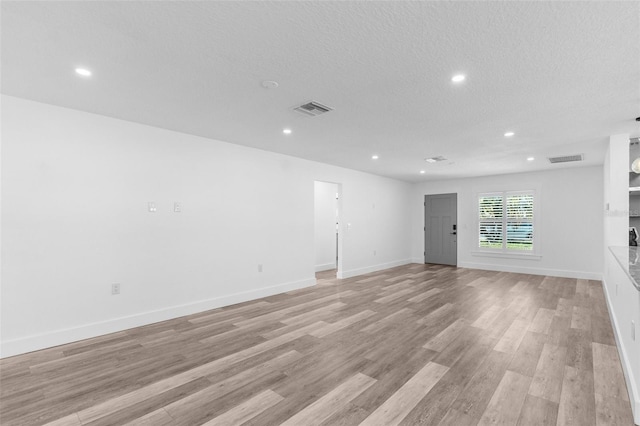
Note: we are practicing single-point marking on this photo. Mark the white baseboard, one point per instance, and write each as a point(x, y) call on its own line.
point(86, 331)
point(325, 267)
point(634, 393)
point(417, 260)
point(360, 271)
point(533, 271)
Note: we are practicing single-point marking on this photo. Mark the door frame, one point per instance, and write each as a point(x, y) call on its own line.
point(424, 229)
point(339, 229)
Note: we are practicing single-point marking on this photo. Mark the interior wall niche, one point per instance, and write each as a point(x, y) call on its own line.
point(634, 190)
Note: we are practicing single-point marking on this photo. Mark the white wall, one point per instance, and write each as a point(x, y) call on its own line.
point(568, 224)
point(622, 297)
point(75, 188)
point(325, 208)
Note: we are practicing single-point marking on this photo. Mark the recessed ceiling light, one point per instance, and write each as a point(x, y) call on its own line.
point(286, 131)
point(458, 78)
point(374, 157)
point(530, 158)
point(509, 134)
point(422, 172)
point(83, 72)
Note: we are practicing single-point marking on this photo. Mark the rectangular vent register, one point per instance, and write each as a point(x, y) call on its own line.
point(313, 109)
point(566, 158)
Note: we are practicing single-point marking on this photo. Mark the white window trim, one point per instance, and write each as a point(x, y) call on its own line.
point(506, 255)
point(535, 254)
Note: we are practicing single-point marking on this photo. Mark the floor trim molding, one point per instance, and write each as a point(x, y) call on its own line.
point(533, 271)
point(634, 394)
point(326, 267)
point(87, 331)
point(374, 268)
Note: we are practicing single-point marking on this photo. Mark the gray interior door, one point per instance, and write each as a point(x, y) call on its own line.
point(440, 229)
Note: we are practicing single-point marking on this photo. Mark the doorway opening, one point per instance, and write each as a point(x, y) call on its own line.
point(327, 235)
point(441, 229)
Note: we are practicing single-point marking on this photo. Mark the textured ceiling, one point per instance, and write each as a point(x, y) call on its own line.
point(562, 75)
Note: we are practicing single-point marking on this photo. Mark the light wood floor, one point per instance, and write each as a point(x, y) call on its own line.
point(418, 344)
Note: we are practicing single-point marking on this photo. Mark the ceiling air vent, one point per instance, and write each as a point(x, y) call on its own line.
point(435, 159)
point(566, 158)
point(313, 108)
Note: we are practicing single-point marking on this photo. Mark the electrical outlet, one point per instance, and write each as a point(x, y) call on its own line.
point(177, 207)
point(259, 267)
point(374, 252)
point(151, 206)
point(115, 289)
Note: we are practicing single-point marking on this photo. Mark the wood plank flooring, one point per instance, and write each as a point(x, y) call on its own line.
point(412, 345)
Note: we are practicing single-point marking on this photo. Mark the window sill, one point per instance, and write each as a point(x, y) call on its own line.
point(525, 256)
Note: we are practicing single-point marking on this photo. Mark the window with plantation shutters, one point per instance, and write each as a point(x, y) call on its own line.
point(491, 221)
point(506, 221)
point(519, 209)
